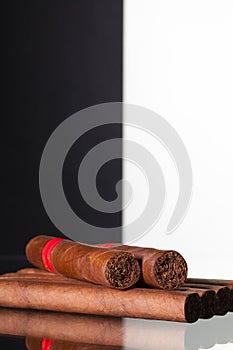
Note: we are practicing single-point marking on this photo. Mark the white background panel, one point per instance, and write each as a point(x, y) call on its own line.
point(178, 61)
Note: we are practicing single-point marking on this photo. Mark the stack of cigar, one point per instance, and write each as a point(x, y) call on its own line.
point(112, 280)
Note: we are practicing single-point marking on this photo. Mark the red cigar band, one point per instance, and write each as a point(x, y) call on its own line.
point(107, 245)
point(46, 253)
point(46, 344)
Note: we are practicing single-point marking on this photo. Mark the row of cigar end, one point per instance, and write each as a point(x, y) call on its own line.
point(141, 282)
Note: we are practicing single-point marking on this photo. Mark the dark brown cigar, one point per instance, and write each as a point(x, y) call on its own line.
point(88, 263)
point(165, 269)
point(223, 296)
point(219, 282)
point(53, 344)
point(83, 297)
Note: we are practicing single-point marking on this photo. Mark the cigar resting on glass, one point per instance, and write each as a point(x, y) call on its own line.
point(66, 295)
point(119, 270)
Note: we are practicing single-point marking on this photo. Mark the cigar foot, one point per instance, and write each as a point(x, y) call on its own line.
point(192, 308)
point(170, 270)
point(222, 303)
point(122, 270)
point(207, 304)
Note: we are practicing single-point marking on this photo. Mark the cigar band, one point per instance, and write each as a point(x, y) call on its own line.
point(106, 245)
point(46, 344)
point(47, 251)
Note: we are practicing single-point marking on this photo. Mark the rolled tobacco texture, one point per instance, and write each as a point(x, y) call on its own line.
point(83, 297)
point(114, 269)
point(165, 269)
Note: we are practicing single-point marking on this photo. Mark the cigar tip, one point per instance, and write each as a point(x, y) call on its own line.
point(170, 270)
point(122, 270)
point(222, 301)
point(207, 304)
point(192, 307)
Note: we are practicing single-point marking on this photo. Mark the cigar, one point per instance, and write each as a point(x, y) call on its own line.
point(223, 296)
point(220, 282)
point(165, 269)
point(208, 300)
point(208, 297)
point(83, 297)
point(118, 270)
point(47, 343)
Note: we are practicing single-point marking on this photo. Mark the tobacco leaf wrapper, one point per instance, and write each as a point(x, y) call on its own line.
point(68, 295)
point(88, 263)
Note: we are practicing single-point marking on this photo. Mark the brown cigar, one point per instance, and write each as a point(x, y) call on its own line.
point(88, 263)
point(207, 296)
point(53, 344)
point(227, 283)
point(83, 297)
point(223, 296)
point(165, 269)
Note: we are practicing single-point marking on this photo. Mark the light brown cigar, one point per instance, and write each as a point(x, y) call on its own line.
point(220, 282)
point(88, 263)
point(223, 296)
point(40, 275)
point(227, 283)
point(165, 269)
point(32, 270)
point(44, 343)
point(207, 300)
point(207, 296)
point(84, 297)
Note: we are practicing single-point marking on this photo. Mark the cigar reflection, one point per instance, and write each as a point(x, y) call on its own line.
point(73, 331)
point(48, 344)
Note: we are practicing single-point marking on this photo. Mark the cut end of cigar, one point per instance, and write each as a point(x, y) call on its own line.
point(222, 302)
point(170, 270)
point(207, 304)
point(122, 270)
point(231, 304)
point(192, 307)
